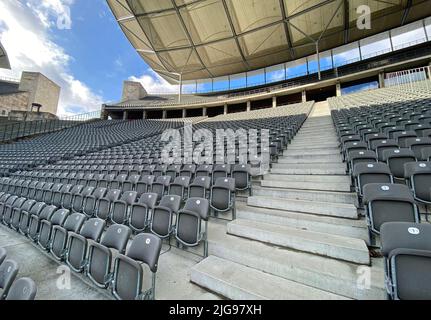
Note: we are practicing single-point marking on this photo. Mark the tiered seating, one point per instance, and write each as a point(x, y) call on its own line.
point(385, 140)
point(75, 141)
point(10, 288)
point(115, 189)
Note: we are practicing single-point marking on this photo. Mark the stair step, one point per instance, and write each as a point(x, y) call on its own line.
point(306, 185)
point(308, 168)
point(298, 159)
point(306, 195)
point(324, 244)
point(323, 273)
point(238, 282)
point(308, 178)
point(316, 223)
point(311, 148)
point(314, 207)
point(310, 152)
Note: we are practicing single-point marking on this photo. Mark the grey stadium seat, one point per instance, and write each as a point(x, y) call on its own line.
point(100, 254)
point(121, 207)
point(389, 203)
point(222, 198)
point(46, 227)
point(128, 273)
point(188, 229)
point(104, 206)
point(76, 252)
point(8, 271)
point(25, 218)
point(60, 234)
point(200, 187)
point(141, 210)
point(407, 251)
point(163, 215)
point(23, 289)
point(35, 221)
point(396, 159)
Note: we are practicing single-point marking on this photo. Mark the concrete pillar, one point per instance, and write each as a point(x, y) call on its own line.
point(144, 115)
point(125, 115)
point(304, 96)
point(338, 89)
point(165, 114)
point(225, 109)
point(248, 105)
point(204, 112)
point(184, 113)
point(274, 102)
point(381, 80)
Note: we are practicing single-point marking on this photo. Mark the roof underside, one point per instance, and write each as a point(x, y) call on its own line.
point(211, 38)
point(4, 60)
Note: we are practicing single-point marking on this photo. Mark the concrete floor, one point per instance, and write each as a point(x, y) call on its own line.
point(173, 276)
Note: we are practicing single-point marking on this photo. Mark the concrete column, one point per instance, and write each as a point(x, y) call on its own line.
point(225, 109)
point(274, 102)
point(125, 115)
point(304, 96)
point(381, 80)
point(204, 112)
point(248, 105)
point(144, 116)
point(338, 89)
point(165, 114)
point(184, 113)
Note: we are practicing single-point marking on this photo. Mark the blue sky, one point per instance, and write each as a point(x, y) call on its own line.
point(88, 57)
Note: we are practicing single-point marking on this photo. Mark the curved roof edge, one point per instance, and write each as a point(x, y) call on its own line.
point(4, 60)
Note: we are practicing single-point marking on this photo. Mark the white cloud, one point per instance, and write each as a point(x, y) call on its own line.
point(25, 32)
point(153, 83)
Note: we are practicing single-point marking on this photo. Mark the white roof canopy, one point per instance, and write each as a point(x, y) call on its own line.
point(211, 38)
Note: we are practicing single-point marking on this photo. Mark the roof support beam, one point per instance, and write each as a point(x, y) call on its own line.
point(346, 21)
point(406, 11)
point(232, 28)
point(286, 29)
point(189, 37)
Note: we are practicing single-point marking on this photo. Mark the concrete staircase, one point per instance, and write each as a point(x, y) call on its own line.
point(299, 236)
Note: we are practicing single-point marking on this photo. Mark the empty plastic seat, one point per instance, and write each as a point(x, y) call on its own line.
point(222, 198)
point(417, 144)
point(130, 183)
point(91, 202)
point(121, 207)
point(396, 159)
point(143, 185)
point(57, 199)
point(384, 145)
point(418, 175)
point(60, 233)
point(179, 187)
point(189, 229)
point(141, 210)
point(188, 170)
point(76, 252)
point(362, 156)
point(36, 219)
point(23, 289)
point(173, 170)
point(57, 219)
point(68, 197)
point(403, 136)
point(160, 186)
point(204, 170)
point(200, 187)
point(100, 254)
point(128, 276)
point(8, 272)
point(163, 216)
point(8, 210)
point(25, 218)
point(365, 173)
point(407, 251)
point(104, 207)
point(117, 183)
point(78, 200)
point(220, 171)
point(241, 174)
point(389, 203)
